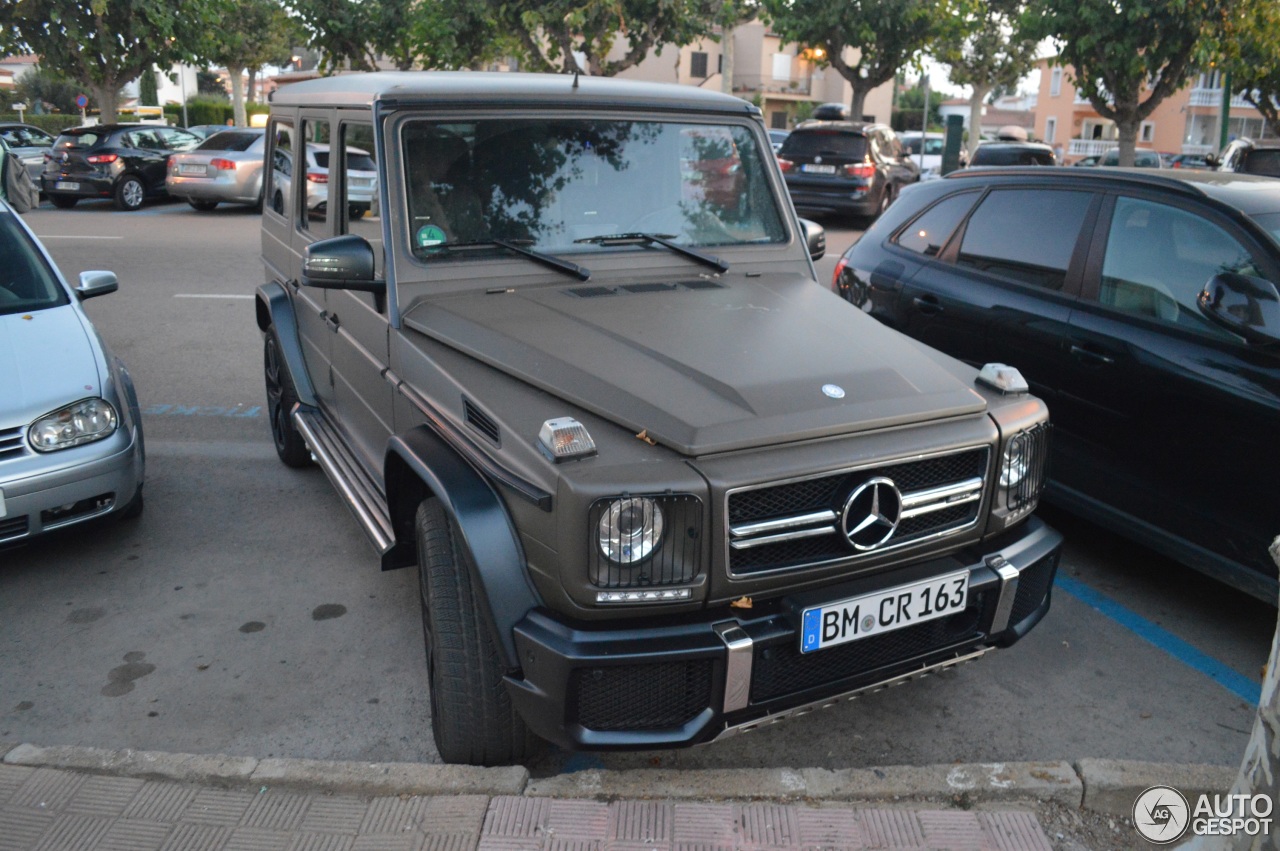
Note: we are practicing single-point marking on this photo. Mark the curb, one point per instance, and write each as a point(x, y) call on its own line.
point(1100, 785)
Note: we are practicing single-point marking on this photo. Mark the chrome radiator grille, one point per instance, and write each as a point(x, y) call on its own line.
point(854, 513)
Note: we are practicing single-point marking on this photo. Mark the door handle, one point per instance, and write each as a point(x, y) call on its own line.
point(927, 304)
point(331, 319)
point(1089, 356)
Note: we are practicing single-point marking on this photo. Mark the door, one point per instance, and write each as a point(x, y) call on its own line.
point(1164, 415)
point(363, 398)
point(149, 156)
point(1002, 289)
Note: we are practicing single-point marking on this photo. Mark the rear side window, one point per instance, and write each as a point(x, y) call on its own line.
point(1263, 162)
point(1026, 235)
point(824, 143)
point(229, 141)
point(929, 231)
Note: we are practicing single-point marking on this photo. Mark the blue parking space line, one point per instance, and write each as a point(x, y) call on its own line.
point(1236, 683)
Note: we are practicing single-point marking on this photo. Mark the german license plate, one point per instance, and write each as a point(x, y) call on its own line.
point(69, 185)
point(811, 168)
point(884, 611)
point(188, 168)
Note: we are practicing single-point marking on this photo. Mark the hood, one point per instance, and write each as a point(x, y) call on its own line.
point(46, 360)
point(704, 366)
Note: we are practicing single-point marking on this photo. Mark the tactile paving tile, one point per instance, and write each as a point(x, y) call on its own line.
point(72, 831)
point(1014, 831)
point(47, 789)
point(451, 842)
point(386, 842)
point(196, 837)
point(455, 814)
point(516, 817)
point(276, 810)
point(22, 828)
point(11, 777)
point(569, 820)
point(321, 842)
point(830, 827)
point(334, 814)
point(640, 821)
point(393, 816)
point(710, 825)
point(133, 835)
point(161, 802)
point(104, 796)
point(257, 839)
point(891, 829)
point(767, 825)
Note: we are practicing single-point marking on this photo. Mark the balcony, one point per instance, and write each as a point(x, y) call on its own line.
point(1213, 98)
point(761, 84)
point(1090, 147)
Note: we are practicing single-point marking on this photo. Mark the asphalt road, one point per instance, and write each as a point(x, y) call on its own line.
point(244, 613)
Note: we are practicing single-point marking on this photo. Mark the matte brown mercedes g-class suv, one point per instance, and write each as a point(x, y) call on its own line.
point(574, 363)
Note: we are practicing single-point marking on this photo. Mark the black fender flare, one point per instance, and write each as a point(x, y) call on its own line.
point(419, 464)
point(274, 307)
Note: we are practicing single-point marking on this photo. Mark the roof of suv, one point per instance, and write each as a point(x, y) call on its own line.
point(1248, 193)
point(470, 88)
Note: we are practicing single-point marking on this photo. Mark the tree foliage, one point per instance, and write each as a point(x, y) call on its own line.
point(253, 33)
point(1250, 47)
point(44, 91)
point(1128, 56)
point(103, 44)
point(991, 51)
point(886, 34)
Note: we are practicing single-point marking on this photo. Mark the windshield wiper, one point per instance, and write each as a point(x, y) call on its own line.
point(548, 260)
point(663, 239)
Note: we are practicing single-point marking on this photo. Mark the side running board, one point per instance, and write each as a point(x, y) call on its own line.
point(358, 490)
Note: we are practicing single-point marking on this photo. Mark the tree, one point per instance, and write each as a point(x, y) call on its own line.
point(103, 44)
point(1250, 47)
point(1121, 51)
point(43, 90)
point(253, 33)
point(356, 34)
point(886, 35)
point(989, 53)
point(148, 91)
point(569, 35)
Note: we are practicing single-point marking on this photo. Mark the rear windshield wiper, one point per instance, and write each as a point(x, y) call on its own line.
point(548, 260)
point(663, 239)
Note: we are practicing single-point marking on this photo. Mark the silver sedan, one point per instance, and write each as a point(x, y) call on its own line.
point(70, 430)
point(226, 167)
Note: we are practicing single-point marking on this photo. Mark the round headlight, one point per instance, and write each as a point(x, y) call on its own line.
point(1013, 467)
point(83, 422)
point(630, 530)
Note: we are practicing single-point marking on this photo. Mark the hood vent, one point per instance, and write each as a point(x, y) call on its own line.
point(480, 421)
point(591, 292)
point(648, 288)
point(702, 284)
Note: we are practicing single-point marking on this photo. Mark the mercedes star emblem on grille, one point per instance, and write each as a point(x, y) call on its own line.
point(872, 513)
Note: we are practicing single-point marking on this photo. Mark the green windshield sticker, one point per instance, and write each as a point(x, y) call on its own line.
point(430, 236)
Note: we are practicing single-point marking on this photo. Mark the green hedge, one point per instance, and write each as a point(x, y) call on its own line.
point(54, 124)
point(208, 111)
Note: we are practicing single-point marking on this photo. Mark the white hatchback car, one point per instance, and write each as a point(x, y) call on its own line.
point(362, 179)
point(70, 430)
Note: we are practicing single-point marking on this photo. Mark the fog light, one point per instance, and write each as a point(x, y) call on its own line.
point(630, 530)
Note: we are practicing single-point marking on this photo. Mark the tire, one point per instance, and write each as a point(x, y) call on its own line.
point(202, 205)
point(63, 202)
point(281, 397)
point(356, 211)
point(130, 193)
point(472, 718)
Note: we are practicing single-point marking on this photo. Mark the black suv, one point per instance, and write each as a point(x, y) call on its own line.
point(1006, 153)
point(660, 486)
point(125, 162)
point(846, 168)
point(1142, 307)
point(1246, 156)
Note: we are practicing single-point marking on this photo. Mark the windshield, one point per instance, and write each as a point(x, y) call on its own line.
point(27, 284)
point(550, 183)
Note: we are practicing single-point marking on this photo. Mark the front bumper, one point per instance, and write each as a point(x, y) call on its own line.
point(104, 480)
point(660, 684)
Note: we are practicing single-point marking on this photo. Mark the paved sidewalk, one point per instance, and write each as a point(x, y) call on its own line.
point(53, 809)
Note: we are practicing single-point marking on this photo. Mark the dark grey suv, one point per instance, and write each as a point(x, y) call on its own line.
point(847, 168)
point(660, 485)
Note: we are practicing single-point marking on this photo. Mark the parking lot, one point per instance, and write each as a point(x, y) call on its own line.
point(244, 613)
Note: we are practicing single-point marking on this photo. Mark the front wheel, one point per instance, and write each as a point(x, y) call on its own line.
point(130, 193)
point(472, 718)
point(281, 397)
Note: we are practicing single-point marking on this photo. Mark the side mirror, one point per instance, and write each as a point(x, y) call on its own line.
point(341, 263)
point(1212, 160)
point(1243, 305)
point(96, 283)
point(816, 238)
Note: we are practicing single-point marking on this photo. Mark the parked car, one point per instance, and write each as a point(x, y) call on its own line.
point(70, 430)
point(1146, 315)
point(29, 144)
point(226, 167)
point(660, 486)
point(1247, 156)
point(362, 179)
point(777, 137)
point(126, 162)
point(934, 145)
point(1200, 161)
point(1001, 153)
point(847, 168)
point(1142, 158)
point(204, 131)
point(1088, 162)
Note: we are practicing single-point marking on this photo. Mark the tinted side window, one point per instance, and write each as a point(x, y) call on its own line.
point(1263, 161)
point(282, 149)
point(1159, 258)
point(929, 231)
point(1027, 235)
